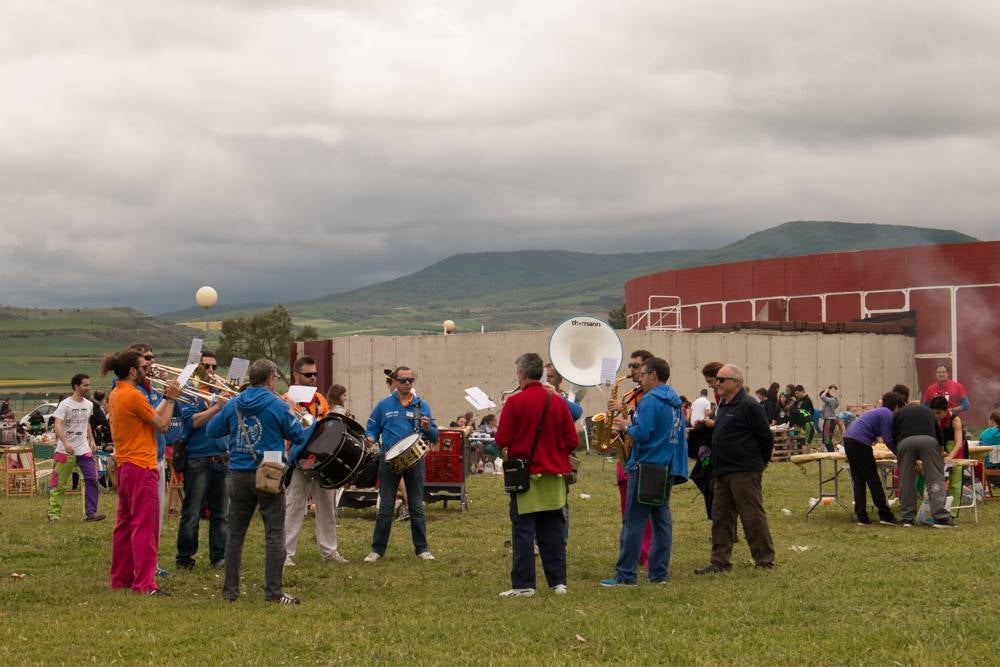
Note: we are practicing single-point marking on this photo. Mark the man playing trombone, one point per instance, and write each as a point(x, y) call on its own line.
point(206, 475)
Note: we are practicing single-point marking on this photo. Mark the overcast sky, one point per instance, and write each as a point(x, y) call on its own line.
point(285, 150)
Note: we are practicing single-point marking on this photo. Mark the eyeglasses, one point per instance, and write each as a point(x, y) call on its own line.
point(634, 366)
point(406, 380)
point(308, 375)
point(211, 367)
point(722, 379)
point(148, 357)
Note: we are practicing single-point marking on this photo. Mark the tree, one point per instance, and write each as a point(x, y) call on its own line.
point(616, 318)
point(265, 335)
point(308, 332)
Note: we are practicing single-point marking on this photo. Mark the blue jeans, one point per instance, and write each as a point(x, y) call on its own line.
point(388, 480)
point(634, 525)
point(204, 481)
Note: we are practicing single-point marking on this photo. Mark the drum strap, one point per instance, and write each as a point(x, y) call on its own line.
point(246, 436)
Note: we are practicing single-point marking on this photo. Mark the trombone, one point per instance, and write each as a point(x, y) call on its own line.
point(161, 376)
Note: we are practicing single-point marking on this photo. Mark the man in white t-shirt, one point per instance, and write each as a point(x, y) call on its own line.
point(701, 408)
point(75, 449)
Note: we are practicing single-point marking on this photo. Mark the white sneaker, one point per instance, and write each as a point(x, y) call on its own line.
point(518, 593)
point(372, 557)
point(335, 557)
point(559, 589)
point(289, 562)
point(425, 555)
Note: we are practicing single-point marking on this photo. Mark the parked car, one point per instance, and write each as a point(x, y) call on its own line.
point(45, 410)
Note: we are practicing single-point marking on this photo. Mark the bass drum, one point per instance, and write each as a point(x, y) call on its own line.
point(335, 453)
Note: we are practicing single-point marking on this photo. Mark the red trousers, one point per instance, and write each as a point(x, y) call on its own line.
point(136, 536)
point(647, 536)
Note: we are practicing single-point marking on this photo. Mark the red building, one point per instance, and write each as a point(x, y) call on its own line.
point(953, 290)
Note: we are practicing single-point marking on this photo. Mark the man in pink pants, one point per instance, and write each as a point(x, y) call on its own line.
point(134, 424)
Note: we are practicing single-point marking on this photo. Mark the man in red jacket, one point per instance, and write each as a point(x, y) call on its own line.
point(536, 514)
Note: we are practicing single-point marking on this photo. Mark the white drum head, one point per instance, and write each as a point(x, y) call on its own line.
point(401, 446)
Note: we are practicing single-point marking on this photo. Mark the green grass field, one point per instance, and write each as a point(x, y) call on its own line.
point(854, 595)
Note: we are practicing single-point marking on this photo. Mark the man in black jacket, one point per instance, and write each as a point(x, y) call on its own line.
point(741, 448)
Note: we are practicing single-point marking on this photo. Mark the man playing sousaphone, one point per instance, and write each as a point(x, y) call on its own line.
point(395, 417)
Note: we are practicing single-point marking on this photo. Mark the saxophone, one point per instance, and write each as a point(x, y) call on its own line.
point(602, 435)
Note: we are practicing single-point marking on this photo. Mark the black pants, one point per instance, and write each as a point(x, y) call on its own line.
point(548, 528)
point(243, 501)
point(864, 472)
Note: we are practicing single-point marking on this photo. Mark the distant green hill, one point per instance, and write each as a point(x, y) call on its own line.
point(535, 289)
point(39, 344)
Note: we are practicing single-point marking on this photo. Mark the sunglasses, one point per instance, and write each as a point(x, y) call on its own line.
point(634, 366)
point(722, 379)
point(406, 380)
point(211, 367)
point(308, 375)
point(148, 357)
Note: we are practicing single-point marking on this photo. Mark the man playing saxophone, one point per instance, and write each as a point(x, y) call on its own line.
point(627, 405)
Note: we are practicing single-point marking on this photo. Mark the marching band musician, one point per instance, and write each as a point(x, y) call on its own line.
point(396, 416)
point(301, 488)
point(256, 421)
point(539, 430)
point(135, 423)
point(206, 478)
point(627, 405)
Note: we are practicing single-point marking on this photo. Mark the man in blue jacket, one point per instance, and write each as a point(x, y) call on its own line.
point(256, 421)
point(742, 443)
point(206, 479)
point(658, 439)
point(398, 415)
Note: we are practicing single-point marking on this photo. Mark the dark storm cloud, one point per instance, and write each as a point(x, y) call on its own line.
point(286, 150)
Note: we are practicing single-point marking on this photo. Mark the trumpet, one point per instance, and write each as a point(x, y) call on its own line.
point(504, 395)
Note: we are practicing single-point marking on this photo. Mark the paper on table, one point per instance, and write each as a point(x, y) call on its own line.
point(300, 393)
point(272, 456)
point(186, 373)
point(194, 354)
point(479, 399)
point(609, 366)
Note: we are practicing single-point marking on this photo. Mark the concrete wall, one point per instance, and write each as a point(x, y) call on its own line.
point(862, 365)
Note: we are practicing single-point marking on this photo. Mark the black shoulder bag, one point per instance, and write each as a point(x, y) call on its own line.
point(516, 475)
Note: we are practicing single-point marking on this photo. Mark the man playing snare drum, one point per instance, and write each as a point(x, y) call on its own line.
point(395, 417)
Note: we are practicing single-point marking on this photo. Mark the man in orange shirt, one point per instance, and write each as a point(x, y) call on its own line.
point(301, 488)
point(135, 423)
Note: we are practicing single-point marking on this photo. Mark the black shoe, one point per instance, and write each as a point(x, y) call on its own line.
point(863, 520)
point(889, 521)
point(710, 569)
point(763, 566)
point(185, 565)
point(906, 523)
point(96, 517)
point(285, 599)
point(158, 593)
point(944, 523)
point(218, 564)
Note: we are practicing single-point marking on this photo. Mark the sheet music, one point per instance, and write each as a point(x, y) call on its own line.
point(609, 366)
point(272, 456)
point(237, 369)
point(301, 394)
point(185, 375)
point(479, 399)
point(194, 354)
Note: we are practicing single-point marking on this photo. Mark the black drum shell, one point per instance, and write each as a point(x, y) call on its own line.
point(334, 453)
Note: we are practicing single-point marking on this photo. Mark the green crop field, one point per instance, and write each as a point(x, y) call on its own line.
point(841, 594)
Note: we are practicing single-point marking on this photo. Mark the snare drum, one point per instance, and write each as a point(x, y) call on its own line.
point(407, 452)
point(335, 453)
